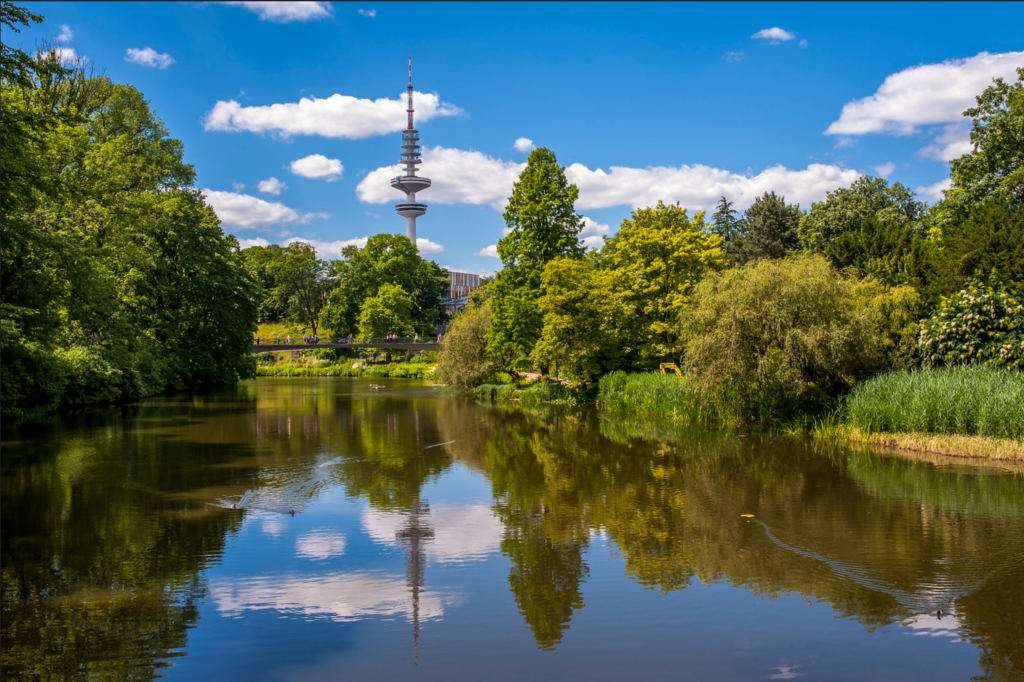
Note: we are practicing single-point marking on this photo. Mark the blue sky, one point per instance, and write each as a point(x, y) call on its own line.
point(680, 102)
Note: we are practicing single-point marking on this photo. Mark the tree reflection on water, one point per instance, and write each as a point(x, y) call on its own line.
point(111, 517)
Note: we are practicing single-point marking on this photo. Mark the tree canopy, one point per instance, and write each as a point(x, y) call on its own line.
point(542, 225)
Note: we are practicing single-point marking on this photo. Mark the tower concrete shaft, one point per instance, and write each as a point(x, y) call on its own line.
point(410, 183)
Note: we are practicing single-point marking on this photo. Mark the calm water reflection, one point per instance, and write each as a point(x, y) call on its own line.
point(315, 529)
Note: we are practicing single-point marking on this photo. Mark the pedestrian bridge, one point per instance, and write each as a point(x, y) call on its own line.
point(401, 343)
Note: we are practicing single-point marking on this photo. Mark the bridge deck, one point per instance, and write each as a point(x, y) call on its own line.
point(276, 347)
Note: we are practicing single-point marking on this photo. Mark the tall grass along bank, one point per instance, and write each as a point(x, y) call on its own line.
point(679, 398)
point(961, 401)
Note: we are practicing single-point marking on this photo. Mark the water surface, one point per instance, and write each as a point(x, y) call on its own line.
point(307, 529)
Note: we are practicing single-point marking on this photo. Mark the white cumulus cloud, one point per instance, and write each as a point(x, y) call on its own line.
point(257, 241)
point(592, 234)
point(318, 166)
point(334, 116)
point(65, 35)
point(774, 34)
point(471, 177)
point(239, 186)
point(242, 210)
point(147, 56)
point(930, 98)
point(524, 144)
point(934, 192)
point(884, 170)
point(427, 247)
point(367, 12)
point(286, 12)
point(488, 251)
point(271, 186)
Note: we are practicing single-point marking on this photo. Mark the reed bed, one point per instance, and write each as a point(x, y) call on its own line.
point(960, 401)
point(667, 394)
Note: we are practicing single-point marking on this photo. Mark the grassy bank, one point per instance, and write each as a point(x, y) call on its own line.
point(395, 370)
point(961, 411)
point(961, 401)
point(667, 394)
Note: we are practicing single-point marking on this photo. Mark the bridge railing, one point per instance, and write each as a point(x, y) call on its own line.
point(273, 341)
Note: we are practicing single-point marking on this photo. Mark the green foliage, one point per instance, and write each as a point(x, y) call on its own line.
point(891, 253)
point(724, 222)
point(118, 281)
point(844, 210)
point(542, 225)
point(463, 360)
point(898, 310)
point(394, 370)
point(300, 283)
point(258, 261)
point(982, 324)
point(658, 255)
point(652, 393)
point(768, 229)
point(580, 315)
point(386, 259)
point(995, 166)
point(388, 312)
point(785, 336)
point(969, 401)
point(988, 240)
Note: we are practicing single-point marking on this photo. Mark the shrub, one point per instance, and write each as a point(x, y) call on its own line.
point(969, 401)
point(779, 337)
point(979, 325)
point(463, 360)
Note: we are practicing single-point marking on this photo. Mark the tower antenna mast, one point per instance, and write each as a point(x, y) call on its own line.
point(410, 183)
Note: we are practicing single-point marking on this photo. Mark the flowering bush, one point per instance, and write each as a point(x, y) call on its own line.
point(983, 324)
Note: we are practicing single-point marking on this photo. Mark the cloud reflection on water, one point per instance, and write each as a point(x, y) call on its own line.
point(339, 597)
point(462, 533)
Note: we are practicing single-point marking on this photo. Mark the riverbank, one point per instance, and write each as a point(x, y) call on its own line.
point(394, 370)
point(960, 412)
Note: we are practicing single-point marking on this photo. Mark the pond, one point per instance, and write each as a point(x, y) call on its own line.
point(320, 529)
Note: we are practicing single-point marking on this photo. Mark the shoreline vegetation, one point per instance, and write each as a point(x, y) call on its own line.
point(957, 411)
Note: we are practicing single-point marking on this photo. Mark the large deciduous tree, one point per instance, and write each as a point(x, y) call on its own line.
point(658, 255)
point(389, 311)
point(117, 279)
point(386, 259)
point(845, 208)
point(301, 283)
point(995, 165)
point(542, 225)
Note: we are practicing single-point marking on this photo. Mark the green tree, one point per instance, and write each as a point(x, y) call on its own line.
point(301, 283)
point(387, 312)
point(779, 337)
point(769, 228)
point(995, 165)
point(117, 279)
point(386, 259)
point(463, 361)
point(542, 225)
point(656, 258)
point(258, 261)
point(892, 253)
point(580, 318)
point(989, 240)
point(844, 209)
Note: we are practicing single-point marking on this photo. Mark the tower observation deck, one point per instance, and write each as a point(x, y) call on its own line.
point(410, 183)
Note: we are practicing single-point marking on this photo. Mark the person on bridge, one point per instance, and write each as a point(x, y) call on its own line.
point(279, 339)
point(257, 339)
point(416, 339)
point(288, 341)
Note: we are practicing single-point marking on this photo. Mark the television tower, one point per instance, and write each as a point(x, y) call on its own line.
point(410, 183)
